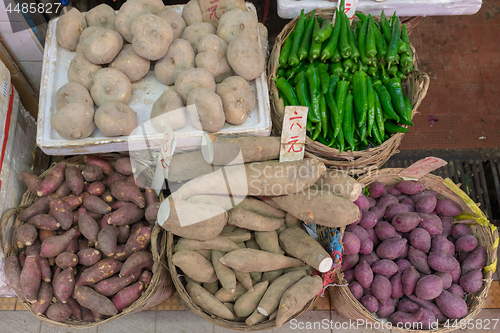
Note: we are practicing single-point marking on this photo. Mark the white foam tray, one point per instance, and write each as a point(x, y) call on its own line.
point(289, 9)
point(56, 61)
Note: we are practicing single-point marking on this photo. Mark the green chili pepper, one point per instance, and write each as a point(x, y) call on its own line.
point(352, 40)
point(380, 43)
point(309, 126)
point(361, 16)
point(306, 41)
point(348, 76)
point(354, 67)
point(285, 50)
point(371, 104)
point(347, 64)
point(392, 49)
point(293, 81)
point(385, 100)
point(370, 48)
point(384, 77)
point(336, 68)
point(344, 46)
point(324, 77)
point(341, 140)
point(394, 88)
point(324, 32)
point(390, 127)
point(340, 98)
point(280, 72)
point(322, 140)
point(302, 90)
point(359, 91)
point(400, 75)
point(317, 131)
point(406, 39)
point(289, 73)
point(362, 42)
point(379, 116)
point(393, 71)
point(357, 28)
point(293, 58)
point(408, 111)
point(362, 67)
point(314, 89)
point(392, 19)
point(287, 90)
point(315, 51)
point(407, 70)
point(376, 135)
point(334, 39)
point(334, 80)
point(386, 28)
point(348, 121)
point(372, 71)
point(323, 115)
point(401, 47)
point(336, 57)
point(406, 61)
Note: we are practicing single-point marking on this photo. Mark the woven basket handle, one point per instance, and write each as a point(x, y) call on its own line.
point(3, 227)
point(154, 244)
point(423, 90)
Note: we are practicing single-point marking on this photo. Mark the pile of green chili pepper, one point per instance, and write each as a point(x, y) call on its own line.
point(349, 78)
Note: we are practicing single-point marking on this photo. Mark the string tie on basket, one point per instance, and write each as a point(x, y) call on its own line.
point(335, 250)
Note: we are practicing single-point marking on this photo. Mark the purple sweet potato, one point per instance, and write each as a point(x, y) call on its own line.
point(25, 235)
point(446, 278)
point(62, 212)
point(364, 274)
point(409, 203)
point(410, 187)
point(448, 207)
point(455, 275)
point(441, 244)
point(442, 262)
point(451, 306)
point(349, 262)
point(391, 189)
point(395, 209)
point(370, 258)
point(151, 212)
point(397, 285)
point(349, 275)
point(418, 259)
point(385, 267)
point(52, 181)
point(127, 296)
point(366, 245)
point(420, 239)
point(429, 287)
point(387, 200)
point(146, 277)
point(472, 281)
point(87, 225)
point(428, 319)
point(447, 225)
point(370, 303)
point(376, 190)
point(466, 243)
point(41, 206)
point(64, 284)
point(429, 306)
point(74, 179)
point(381, 287)
point(139, 240)
point(456, 290)
point(136, 261)
point(426, 204)
point(44, 221)
point(356, 290)
point(112, 285)
point(379, 211)
point(107, 240)
point(124, 166)
point(460, 229)
point(385, 309)
point(371, 202)
point(406, 305)
point(368, 220)
point(422, 194)
point(89, 256)
point(95, 204)
point(58, 311)
point(127, 192)
point(399, 317)
point(403, 264)
point(91, 299)
point(475, 260)
point(32, 181)
point(52, 246)
point(362, 203)
point(372, 236)
point(405, 222)
point(99, 271)
point(392, 248)
point(66, 260)
point(384, 230)
point(409, 279)
point(431, 223)
point(91, 173)
point(30, 279)
point(127, 214)
point(44, 298)
point(351, 243)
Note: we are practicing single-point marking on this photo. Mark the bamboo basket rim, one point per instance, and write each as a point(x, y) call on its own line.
point(160, 288)
point(357, 162)
point(352, 308)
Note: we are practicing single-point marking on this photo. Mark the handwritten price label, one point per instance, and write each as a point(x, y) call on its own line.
point(293, 136)
point(212, 10)
point(350, 8)
point(420, 168)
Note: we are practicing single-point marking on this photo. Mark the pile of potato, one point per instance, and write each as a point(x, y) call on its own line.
point(85, 242)
point(207, 66)
point(406, 261)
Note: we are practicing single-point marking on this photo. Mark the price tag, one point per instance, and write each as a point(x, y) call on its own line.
point(164, 159)
point(420, 168)
point(350, 8)
point(212, 10)
point(293, 135)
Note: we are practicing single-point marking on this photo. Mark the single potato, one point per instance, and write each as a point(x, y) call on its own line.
point(115, 119)
point(238, 99)
point(102, 16)
point(127, 14)
point(82, 71)
point(110, 85)
point(236, 22)
point(176, 22)
point(208, 114)
point(131, 64)
point(195, 31)
point(245, 56)
point(72, 92)
point(212, 56)
point(69, 27)
point(74, 121)
point(154, 6)
point(193, 78)
point(179, 57)
point(80, 48)
point(102, 46)
point(152, 36)
point(168, 108)
point(191, 13)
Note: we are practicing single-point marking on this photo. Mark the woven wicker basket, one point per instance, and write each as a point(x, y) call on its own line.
point(160, 288)
point(186, 301)
point(345, 303)
point(414, 86)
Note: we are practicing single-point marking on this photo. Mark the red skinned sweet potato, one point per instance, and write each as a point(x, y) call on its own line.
point(25, 235)
point(387, 200)
point(385, 309)
point(22, 259)
point(66, 260)
point(108, 198)
point(430, 306)
point(395, 209)
point(32, 181)
point(99, 271)
point(87, 314)
point(145, 278)
point(96, 188)
point(13, 274)
point(74, 179)
point(112, 285)
point(44, 298)
point(91, 173)
point(113, 178)
point(120, 253)
point(95, 204)
point(30, 279)
point(87, 225)
point(44, 221)
point(76, 311)
point(123, 234)
point(53, 180)
point(94, 301)
point(44, 234)
point(127, 296)
point(440, 243)
point(100, 162)
point(368, 219)
point(128, 214)
point(139, 240)
point(460, 229)
point(45, 270)
point(150, 196)
point(456, 290)
point(73, 201)
point(63, 190)
point(124, 166)
point(52, 246)
point(362, 203)
point(41, 206)
point(62, 212)
point(64, 283)
point(127, 192)
point(152, 212)
point(89, 256)
point(136, 261)
point(107, 240)
point(58, 311)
